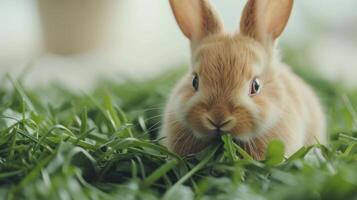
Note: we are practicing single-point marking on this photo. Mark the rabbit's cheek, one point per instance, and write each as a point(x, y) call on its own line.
point(270, 109)
point(245, 122)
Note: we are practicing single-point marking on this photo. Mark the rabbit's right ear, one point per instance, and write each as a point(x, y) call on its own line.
point(265, 20)
point(196, 18)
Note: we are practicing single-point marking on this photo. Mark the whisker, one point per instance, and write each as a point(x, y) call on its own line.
point(160, 107)
point(180, 137)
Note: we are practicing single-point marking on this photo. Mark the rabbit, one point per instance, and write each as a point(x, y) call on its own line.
point(238, 85)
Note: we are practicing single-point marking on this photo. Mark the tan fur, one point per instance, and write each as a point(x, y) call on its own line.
point(285, 109)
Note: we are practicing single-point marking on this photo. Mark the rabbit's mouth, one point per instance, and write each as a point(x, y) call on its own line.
point(215, 135)
point(207, 136)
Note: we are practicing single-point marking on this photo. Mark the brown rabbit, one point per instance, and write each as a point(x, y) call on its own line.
point(238, 85)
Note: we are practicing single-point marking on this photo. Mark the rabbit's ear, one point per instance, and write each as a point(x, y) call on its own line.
point(196, 18)
point(265, 20)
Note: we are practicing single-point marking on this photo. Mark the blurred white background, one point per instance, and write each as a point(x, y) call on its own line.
point(141, 39)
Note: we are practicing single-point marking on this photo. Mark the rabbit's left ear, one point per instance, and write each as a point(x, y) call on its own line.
point(265, 20)
point(196, 18)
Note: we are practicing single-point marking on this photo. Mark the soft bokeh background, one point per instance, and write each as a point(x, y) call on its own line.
point(78, 42)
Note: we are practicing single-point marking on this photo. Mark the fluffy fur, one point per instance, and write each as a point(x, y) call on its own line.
point(285, 109)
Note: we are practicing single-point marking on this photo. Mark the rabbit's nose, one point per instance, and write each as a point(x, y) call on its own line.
point(219, 118)
point(219, 124)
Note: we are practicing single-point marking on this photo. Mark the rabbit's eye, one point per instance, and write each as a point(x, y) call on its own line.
point(195, 82)
point(255, 87)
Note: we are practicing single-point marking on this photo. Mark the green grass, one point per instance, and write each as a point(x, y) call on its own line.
point(58, 144)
